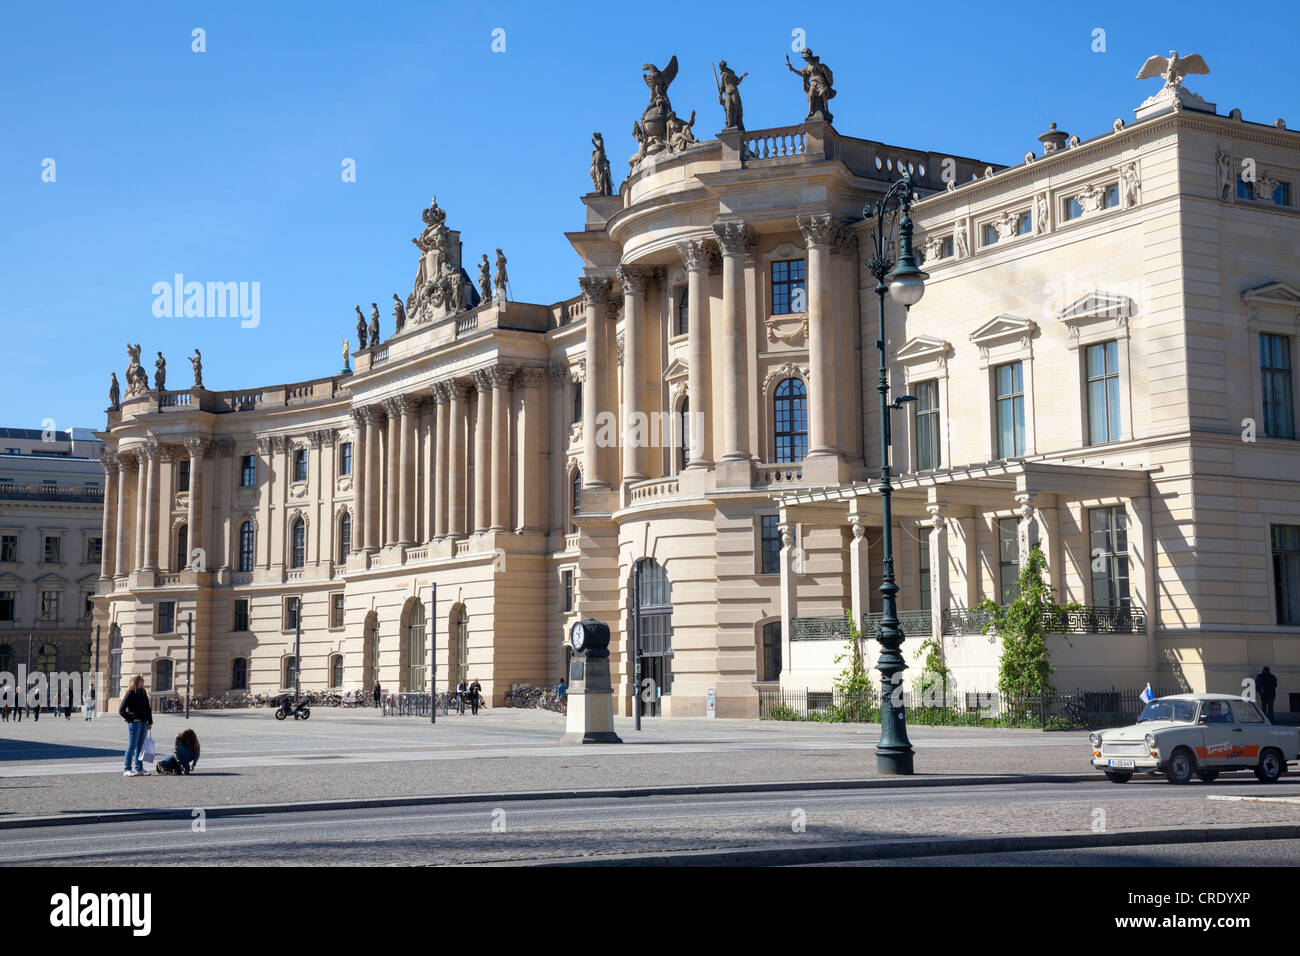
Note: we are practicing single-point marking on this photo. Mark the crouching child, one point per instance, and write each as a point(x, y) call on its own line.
point(184, 757)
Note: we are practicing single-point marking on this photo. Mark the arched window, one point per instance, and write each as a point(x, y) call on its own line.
point(336, 670)
point(416, 649)
point(47, 659)
point(345, 536)
point(6, 658)
point(290, 672)
point(683, 310)
point(461, 630)
point(684, 430)
point(771, 667)
point(182, 548)
point(575, 499)
point(299, 557)
point(246, 546)
point(653, 619)
point(791, 420)
point(239, 673)
point(162, 675)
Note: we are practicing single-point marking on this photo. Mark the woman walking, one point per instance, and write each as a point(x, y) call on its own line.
point(139, 719)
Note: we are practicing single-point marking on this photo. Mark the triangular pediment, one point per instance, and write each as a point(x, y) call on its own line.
point(10, 578)
point(1097, 305)
point(922, 347)
point(52, 578)
point(1003, 327)
point(88, 579)
point(1275, 293)
point(676, 369)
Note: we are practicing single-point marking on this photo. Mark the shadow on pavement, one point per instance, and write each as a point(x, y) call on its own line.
point(36, 750)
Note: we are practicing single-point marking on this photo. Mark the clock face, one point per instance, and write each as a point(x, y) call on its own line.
point(577, 636)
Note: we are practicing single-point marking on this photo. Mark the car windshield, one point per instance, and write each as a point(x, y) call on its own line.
point(1183, 711)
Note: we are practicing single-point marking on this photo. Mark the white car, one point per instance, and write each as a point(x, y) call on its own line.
point(1201, 734)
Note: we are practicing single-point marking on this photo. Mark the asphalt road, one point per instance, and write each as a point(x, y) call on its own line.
point(522, 830)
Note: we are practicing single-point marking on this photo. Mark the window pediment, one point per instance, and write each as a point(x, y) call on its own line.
point(1098, 305)
point(1004, 327)
point(676, 369)
point(51, 579)
point(1275, 293)
point(923, 348)
point(10, 579)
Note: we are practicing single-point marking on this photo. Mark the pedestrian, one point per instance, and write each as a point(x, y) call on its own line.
point(462, 688)
point(89, 702)
point(185, 754)
point(377, 695)
point(1266, 690)
point(562, 692)
point(475, 692)
point(35, 702)
point(67, 704)
point(139, 720)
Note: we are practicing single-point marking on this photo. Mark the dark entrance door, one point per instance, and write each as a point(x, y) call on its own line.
point(653, 618)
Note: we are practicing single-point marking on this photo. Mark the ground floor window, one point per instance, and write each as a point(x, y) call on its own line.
point(1286, 572)
point(290, 672)
point(653, 618)
point(771, 652)
point(336, 670)
point(1008, 560)
point(1108, 554)
point(239, 674)
point(162, 676)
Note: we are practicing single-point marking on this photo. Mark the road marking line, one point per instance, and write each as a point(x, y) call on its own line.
point(1216, 796)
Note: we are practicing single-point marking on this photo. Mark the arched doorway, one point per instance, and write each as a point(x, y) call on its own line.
point(458, 645)
point(652, 617)
point(415, 648)
point(370, 650)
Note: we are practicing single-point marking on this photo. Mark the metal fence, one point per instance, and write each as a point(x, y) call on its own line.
point(416, 704)
point(1054, 710)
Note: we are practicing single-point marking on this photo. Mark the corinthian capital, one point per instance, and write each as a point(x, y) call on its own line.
point(482, 378)
point(197, 447)
point(735, 237)
point(699, 253)
point(820, 229)
point(595, 290)
point(634, 279)
point(500, 375)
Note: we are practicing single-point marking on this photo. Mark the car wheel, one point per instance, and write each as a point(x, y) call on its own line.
point(1115, 776)
point(1208, 776)
point(1270, 766)
point(1181, 766)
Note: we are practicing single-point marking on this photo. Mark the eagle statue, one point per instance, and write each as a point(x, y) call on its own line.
point(1173, 69)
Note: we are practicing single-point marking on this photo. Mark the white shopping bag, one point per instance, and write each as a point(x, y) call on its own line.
point(147, 752)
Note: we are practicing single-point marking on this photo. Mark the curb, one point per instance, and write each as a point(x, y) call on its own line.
point(253, 809)
point(929, 846)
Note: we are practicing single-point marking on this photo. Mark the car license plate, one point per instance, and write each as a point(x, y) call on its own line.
point(1121, 763)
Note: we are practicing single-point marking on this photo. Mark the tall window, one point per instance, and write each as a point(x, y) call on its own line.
point(1108, 554)
point(336, 670)
point(1275, 377)
point(50, 607)
point(345, 536)
point(1286, 572)
point(577, 403)
point(788, 293)
point(771, 651)
point(566, 587)
point(9, 548)
point(336, 610)
point(166, 617)
point(770, 544)
point(683, 310)
point(1103, 393)
point(791, 419)
point(162, 676)
point(8, 609)
point(417, 670)
point(6, 659)
point(114, 661)
point(300, 464)
point(290, 673)
point(239, 617)
point(462, 645)
point(684, 417)
point(53, 549)
point(299, 557)
point(248, 471)
point(1008, 560)
point(183, 475)
point(575, 499)
point(1010, 383)
point(292, 609)
point(654, 623)
point(182, 547)
point(94, 550)
point(927, 425)
point(345, 458)
point(923, 566)
point(47, 660)
point(239, 673)
point(246, 546)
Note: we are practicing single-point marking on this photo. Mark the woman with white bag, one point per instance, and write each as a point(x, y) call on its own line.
point(136, 712)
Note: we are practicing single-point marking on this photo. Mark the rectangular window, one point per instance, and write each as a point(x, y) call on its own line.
point(923, 566)
point(300, 464)
point(248, 471)
point(1286, 572)
point(166, 617)
point(927, 425)
point(50, 606)
point(988, 234)
point(1024, 223)
point(945, 247)
point(577, 403)
point(1103, 393)
point(239, 674)
point(53, 549)
point(94, 550)
point(1073, 209)
point(1108, 554)
point(9, 548)
point(1008, 560)
point(291, 608)
point(1282, 194)
point(87, 606)
point(1010, 383)
point(8, 606)
point(1111, 199)
point(566, 585)
point(239, 621)
point(336, 610)
point(788, 294)
point(1275, 379)
point(345, 458)
point(183, 476)
point(770, 536)
point(1244, 189)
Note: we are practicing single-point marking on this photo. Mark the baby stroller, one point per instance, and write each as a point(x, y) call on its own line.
point(184, 757)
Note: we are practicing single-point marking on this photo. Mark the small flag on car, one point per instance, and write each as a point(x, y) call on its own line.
point(1147, 695)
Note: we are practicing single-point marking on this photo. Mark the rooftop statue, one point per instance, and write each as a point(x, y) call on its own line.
point(1173, 69)
point(361, 328)
point(659, 80)
point(196, 361)
point(137, 379)
point(485, 279)
point(601, 181)
point(373, 331)
point(160, 372)
point(659, 129)
point(818, 85)
point(399, 313)
point(499, 284)
point(729, 96)
point(114, 392)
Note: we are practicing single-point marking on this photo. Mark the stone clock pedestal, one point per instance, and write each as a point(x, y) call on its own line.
point(590, 719)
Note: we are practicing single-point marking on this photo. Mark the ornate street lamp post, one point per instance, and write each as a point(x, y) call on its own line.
point(905, 282)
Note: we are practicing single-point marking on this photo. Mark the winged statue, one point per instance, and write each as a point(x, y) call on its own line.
point(1173, 69)
point(659, 80)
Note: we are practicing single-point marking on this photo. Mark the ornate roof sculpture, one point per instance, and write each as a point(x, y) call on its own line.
point(442, 287)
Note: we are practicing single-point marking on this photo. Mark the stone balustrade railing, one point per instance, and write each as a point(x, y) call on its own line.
point(462, 547)
point(775, 143)
point(571, 541)
point(776, 473)
point(378, 355)
point(173, 399)
point(38, 491)
point(417, 554)
point(467, 323)
point(168, 579)
point(655, 488)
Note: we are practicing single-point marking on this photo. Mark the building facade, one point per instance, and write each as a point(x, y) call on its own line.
point(51, 514)
point(689, 448)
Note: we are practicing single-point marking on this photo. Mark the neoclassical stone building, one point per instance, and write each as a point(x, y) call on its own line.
point(688, 447)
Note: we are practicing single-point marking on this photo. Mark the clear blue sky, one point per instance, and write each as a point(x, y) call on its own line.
point(225, 165)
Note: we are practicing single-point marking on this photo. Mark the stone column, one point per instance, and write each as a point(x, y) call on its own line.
point(820, 233)
point(789, 589)
point(374, 478)
point(697, 255)
point(483, 451)
point(860, 572)
point(392, 463)
point(224, 476)
point(141, 495)
point(121, 558)
point(359, 462)
point(108, 534)
point(194, 519)
point(634, 280)
point(940, 577)
point(534, 466)
point(595, 298)
point(406, 472)
point(736, 239)
point(455, 471)
point(442, 439)
point(151, 522)
point(501, 376)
